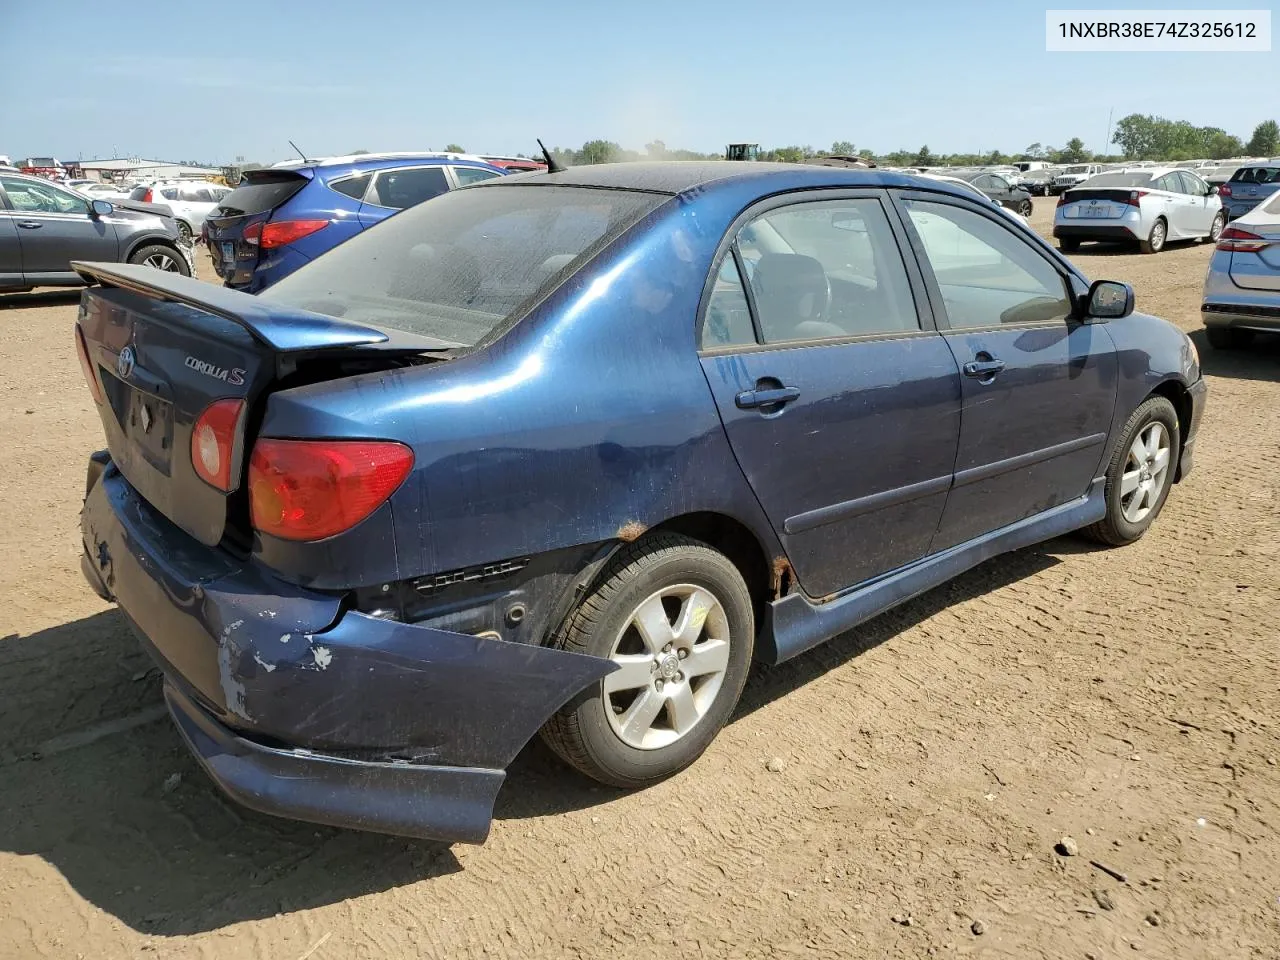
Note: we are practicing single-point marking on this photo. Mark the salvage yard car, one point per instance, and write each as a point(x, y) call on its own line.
point(568, 451)
point(43, 227)
point(1150, 207)
point(279, 218)
point(1242, 287)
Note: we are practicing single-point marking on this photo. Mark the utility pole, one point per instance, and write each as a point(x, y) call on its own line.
point(1106, 144)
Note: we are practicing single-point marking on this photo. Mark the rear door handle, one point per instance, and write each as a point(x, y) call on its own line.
point(983, 369)
point(776, 396)
point(30, 224)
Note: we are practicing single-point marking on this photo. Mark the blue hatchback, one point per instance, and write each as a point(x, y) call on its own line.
point(281, 217)
point(567, 451)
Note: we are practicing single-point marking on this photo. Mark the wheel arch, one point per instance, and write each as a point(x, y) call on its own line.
point(147, 240)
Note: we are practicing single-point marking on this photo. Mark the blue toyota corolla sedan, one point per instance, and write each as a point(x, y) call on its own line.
point(565, 452)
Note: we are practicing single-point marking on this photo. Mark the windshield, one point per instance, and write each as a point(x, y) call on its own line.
point(458, 266)
point(1080, 169)
point(1118, 180)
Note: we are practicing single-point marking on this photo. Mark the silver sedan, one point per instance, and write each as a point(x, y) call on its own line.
point(1242, 289)
point(1148, 206)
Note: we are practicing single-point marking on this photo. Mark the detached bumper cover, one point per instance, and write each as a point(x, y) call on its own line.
point(301, 710)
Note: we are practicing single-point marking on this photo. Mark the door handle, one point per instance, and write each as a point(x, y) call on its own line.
point(775, 396)
point(30, 224)
point(983, 369)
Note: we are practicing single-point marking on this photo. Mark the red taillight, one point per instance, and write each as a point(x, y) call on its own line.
point(252, 233)
point(283, 232)
point(1224, 190)
point(213, 442)
point(86, 365)
point(148, 197)
point(312, 489)
point(1236, 240)
point(1135, 198)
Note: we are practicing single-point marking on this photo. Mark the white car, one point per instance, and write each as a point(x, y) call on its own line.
point(190, 200)
point(1074, 175)
point(1149, 206)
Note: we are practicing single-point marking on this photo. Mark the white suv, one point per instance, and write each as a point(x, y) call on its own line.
point(190, 200)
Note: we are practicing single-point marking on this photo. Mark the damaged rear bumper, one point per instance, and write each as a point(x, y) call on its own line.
point(297, 708)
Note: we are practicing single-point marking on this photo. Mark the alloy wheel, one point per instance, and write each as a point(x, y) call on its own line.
point(673, 653)
point(162, 261)
point(1146, 471)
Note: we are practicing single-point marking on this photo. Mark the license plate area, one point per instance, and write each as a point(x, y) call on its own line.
point(228, 252)
point(1097, 212)
point(145, 421)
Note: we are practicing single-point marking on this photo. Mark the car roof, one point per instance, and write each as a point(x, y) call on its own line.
point(676, 177)
point(370, 157)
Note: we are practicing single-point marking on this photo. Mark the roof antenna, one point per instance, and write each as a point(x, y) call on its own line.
point(552, 166)
point(300, 153)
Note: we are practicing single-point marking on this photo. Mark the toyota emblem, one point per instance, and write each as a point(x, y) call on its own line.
point(125, 363)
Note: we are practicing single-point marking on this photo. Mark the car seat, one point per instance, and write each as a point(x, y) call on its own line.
point(793, 297)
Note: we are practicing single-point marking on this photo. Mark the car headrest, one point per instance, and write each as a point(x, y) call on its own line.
point(791, 286)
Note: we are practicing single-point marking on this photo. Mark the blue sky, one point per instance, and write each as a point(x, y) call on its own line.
point(178, 81)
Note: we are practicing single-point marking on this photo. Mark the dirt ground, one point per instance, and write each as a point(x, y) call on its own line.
point(929, 761)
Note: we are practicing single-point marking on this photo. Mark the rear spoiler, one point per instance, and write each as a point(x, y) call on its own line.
point(282, 328)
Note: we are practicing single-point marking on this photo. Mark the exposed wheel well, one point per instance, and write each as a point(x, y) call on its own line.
point(156, 241)
point(1177, 394)
point(765, 579)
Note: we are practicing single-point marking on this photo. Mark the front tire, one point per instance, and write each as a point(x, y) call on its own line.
point(1025, 208)
point(1140, 473)
point(161, 257)
point(1156, 238)
point(1228, 338)
point(678, 619)
point(1215, 229)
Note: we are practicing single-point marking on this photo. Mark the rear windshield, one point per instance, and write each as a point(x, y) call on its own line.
point(1256, 175)
point(259, 193)
point(1118, 180)
point(458, 266)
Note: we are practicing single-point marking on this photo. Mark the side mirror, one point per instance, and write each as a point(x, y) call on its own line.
point(101, 208)
point(1110, 300)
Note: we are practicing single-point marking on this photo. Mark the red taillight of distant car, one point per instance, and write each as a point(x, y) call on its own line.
point(149, 196)
point(1235, 240)
point(280, 232)
point(86, 366)
point(1224, 190)
point(312, 489)
point(213, 442)
point(1135, 198)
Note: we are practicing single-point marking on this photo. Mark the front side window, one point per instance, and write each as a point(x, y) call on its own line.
point(1193, 185)
point(401, 189)
point(987, 274)
point(32, 197)
point(827, 269)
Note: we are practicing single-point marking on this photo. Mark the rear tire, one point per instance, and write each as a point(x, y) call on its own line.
point(1068, 246)
point(625, 731)
point(1156, 238)
point(1228, 338)
point(1025, 208)
point(162, 257)
point(1140, 474)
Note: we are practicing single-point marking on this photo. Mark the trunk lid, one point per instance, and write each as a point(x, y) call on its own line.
point(1258, 270)
point(250, 204)
point(165, 347)
point(1103, 203)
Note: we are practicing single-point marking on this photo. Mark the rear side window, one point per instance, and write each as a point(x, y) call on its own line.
point(137, 193)
point(401, 189)
point(728, 321)
point(987, 274)
point(467, 175)
point(825, 270)
point(457, 268)
point(260, 193)
point(353, 187)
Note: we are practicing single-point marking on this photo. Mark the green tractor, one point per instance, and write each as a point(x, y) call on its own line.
point(742, 151)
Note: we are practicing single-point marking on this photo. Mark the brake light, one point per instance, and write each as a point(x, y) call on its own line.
point(1224, 190)
point(86, 365)
point(1235, 240)
point(213, 442)
point(148, 197)
point(312, 489)
point(1135, 198)
point(284, 232)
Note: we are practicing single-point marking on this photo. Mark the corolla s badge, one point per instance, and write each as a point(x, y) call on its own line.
point(125, 363)
point(231, 375)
